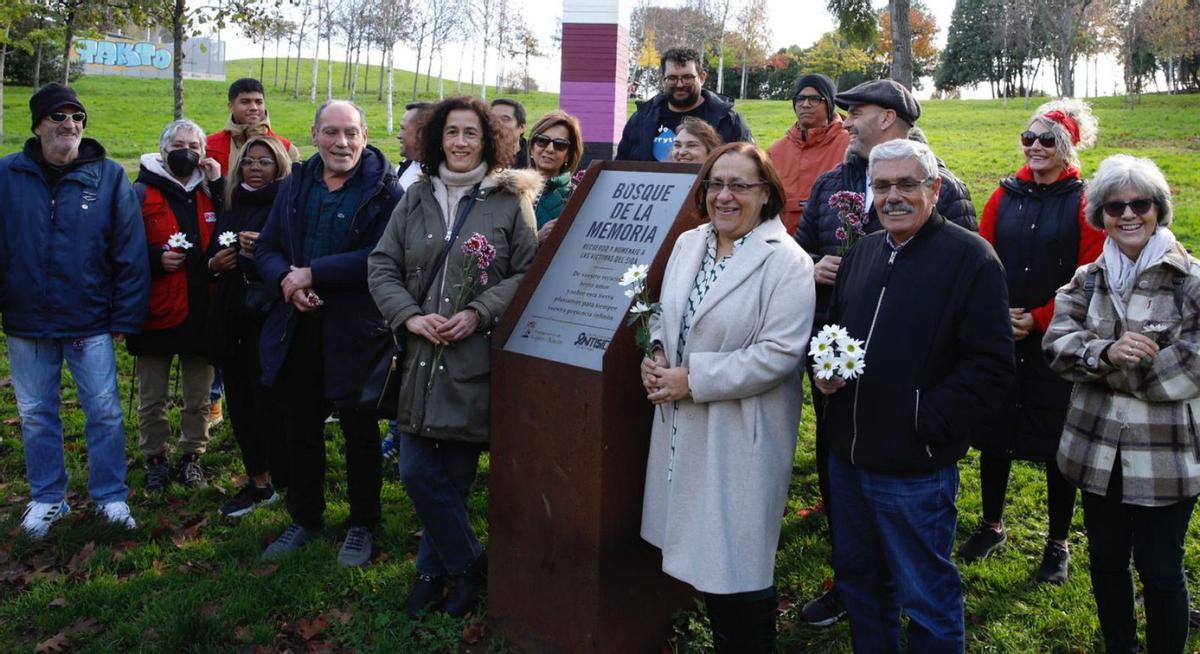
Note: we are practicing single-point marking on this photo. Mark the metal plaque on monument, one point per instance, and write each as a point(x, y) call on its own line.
point(570, 425)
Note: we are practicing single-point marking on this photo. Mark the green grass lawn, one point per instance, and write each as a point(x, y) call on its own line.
point(190, 581)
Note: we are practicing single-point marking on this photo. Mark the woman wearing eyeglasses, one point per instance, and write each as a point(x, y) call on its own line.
point(555, 150)
point(235, 324)
point(1036, 222)
point(738, 300)
point(1126, 331)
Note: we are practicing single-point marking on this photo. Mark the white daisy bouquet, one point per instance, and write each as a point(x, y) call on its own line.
point(178, 242)
point(835, 354)
point(634, 281)
point(227, 239)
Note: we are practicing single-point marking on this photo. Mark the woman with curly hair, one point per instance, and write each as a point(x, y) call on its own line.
point(418, 278)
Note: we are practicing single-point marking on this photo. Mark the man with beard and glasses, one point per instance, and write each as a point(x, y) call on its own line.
point(879, 111)
point(929, 300)
point(73, 278)
point(650, 133)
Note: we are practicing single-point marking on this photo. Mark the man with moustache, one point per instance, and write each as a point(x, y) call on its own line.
point(879, 111)
point(816, 143)
point(73, 278)
point(650, 133)
point(929, 301)
point(327, 217)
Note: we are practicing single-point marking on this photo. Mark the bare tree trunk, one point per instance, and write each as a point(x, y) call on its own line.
point(483, 73)
point(276, 82)
point(429, 66)
point(262, 58)
point(177, 65)
point(346, 70)
point(68, 39)
point(312, 92)
point(902, 64)
point(720, 65)
point(287, 66)
point(417, 68)
point(329, 61)
point(391, 94)
point(458, 78)
point(382, 65)
point(441, 75)
point(742, 91)
point(296, 79)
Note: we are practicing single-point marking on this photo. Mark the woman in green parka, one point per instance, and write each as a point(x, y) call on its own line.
point(555, 150)
point(443, 404)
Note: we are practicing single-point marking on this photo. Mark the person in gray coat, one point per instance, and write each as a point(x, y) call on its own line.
point(443, 405)
point(738, 300)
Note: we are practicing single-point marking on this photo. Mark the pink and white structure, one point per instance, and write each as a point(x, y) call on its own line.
point(595, 71)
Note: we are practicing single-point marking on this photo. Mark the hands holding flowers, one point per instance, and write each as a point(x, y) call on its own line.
point(837, 358)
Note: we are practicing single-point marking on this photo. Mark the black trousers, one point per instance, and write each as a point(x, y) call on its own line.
point(1155, 537)
point(300, 388)
point(1060, 493)
point(743, 623)
point(253, 411)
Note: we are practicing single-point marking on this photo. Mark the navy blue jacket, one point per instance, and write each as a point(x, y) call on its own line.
point(939, 348)
point(349, 315)
point(637, 139)
point(72, 257)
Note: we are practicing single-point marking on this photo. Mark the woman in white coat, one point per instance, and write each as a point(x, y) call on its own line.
point(737, 305)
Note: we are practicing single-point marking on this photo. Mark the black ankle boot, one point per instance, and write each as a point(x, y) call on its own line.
point(426, 591)
point(464, 597)
point(740, 625)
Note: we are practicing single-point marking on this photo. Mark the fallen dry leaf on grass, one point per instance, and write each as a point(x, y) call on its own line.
point(81, 558)
point(57, 603)
point(308, 629)
point(265, 571)
point(59, 642)
point(474, 632)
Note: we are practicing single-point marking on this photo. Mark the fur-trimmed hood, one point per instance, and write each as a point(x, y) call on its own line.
point(515, 181)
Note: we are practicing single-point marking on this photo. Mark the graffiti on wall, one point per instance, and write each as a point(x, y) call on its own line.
point(203, 58)
point(126, 54)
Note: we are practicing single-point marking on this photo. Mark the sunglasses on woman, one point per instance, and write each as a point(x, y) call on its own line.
point(1047, 139)
point(1116, 209)
point(543, 141)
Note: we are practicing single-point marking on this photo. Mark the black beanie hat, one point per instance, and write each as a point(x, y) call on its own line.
point(51, 98)
point(825, 86)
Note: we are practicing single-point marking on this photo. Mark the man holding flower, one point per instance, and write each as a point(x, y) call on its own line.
point(929, 300)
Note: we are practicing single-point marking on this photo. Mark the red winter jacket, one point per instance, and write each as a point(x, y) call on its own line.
point(219, 146)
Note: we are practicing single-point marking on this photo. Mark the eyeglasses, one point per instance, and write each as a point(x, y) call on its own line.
point(808, 99)
point(715, 186)
point(1047, 139)
point(1116, 209)
point(543, 141)
point(263, 162)
point(676, 79)
point(59, 117)
point(906, 185)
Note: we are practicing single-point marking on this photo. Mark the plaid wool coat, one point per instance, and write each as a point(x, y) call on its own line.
point(1145, 415)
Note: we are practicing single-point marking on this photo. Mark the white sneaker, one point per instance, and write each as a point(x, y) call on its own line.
point(39, 516)
point(118, 514)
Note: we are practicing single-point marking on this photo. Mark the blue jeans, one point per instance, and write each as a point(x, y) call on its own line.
point(437, 476)
point(36, 367)
point(892, 541)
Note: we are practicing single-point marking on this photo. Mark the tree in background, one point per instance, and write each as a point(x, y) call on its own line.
point(923, 34)
point(754, 37)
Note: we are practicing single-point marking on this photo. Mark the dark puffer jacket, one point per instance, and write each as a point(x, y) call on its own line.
point(1041, 236)
point(818, 226)
point(637, 139)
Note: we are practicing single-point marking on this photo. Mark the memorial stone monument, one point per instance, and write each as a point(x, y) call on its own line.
point(571, 427)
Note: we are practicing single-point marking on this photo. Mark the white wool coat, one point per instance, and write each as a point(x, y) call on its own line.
point(717, 520)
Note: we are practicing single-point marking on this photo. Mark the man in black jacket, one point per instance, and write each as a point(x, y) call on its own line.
point(650, 132)
point(879, 111)
point(929, 300)
point(327, 217)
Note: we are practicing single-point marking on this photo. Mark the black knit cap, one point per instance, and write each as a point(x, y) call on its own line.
point(50, 98)
point(825, 86)
point(885, 93)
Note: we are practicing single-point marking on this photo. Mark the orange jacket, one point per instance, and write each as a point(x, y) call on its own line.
point(801, 157)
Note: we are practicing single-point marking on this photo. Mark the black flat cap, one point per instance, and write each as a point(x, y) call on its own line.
point(885, 93)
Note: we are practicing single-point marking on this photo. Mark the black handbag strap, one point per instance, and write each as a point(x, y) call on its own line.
point(459, 221)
